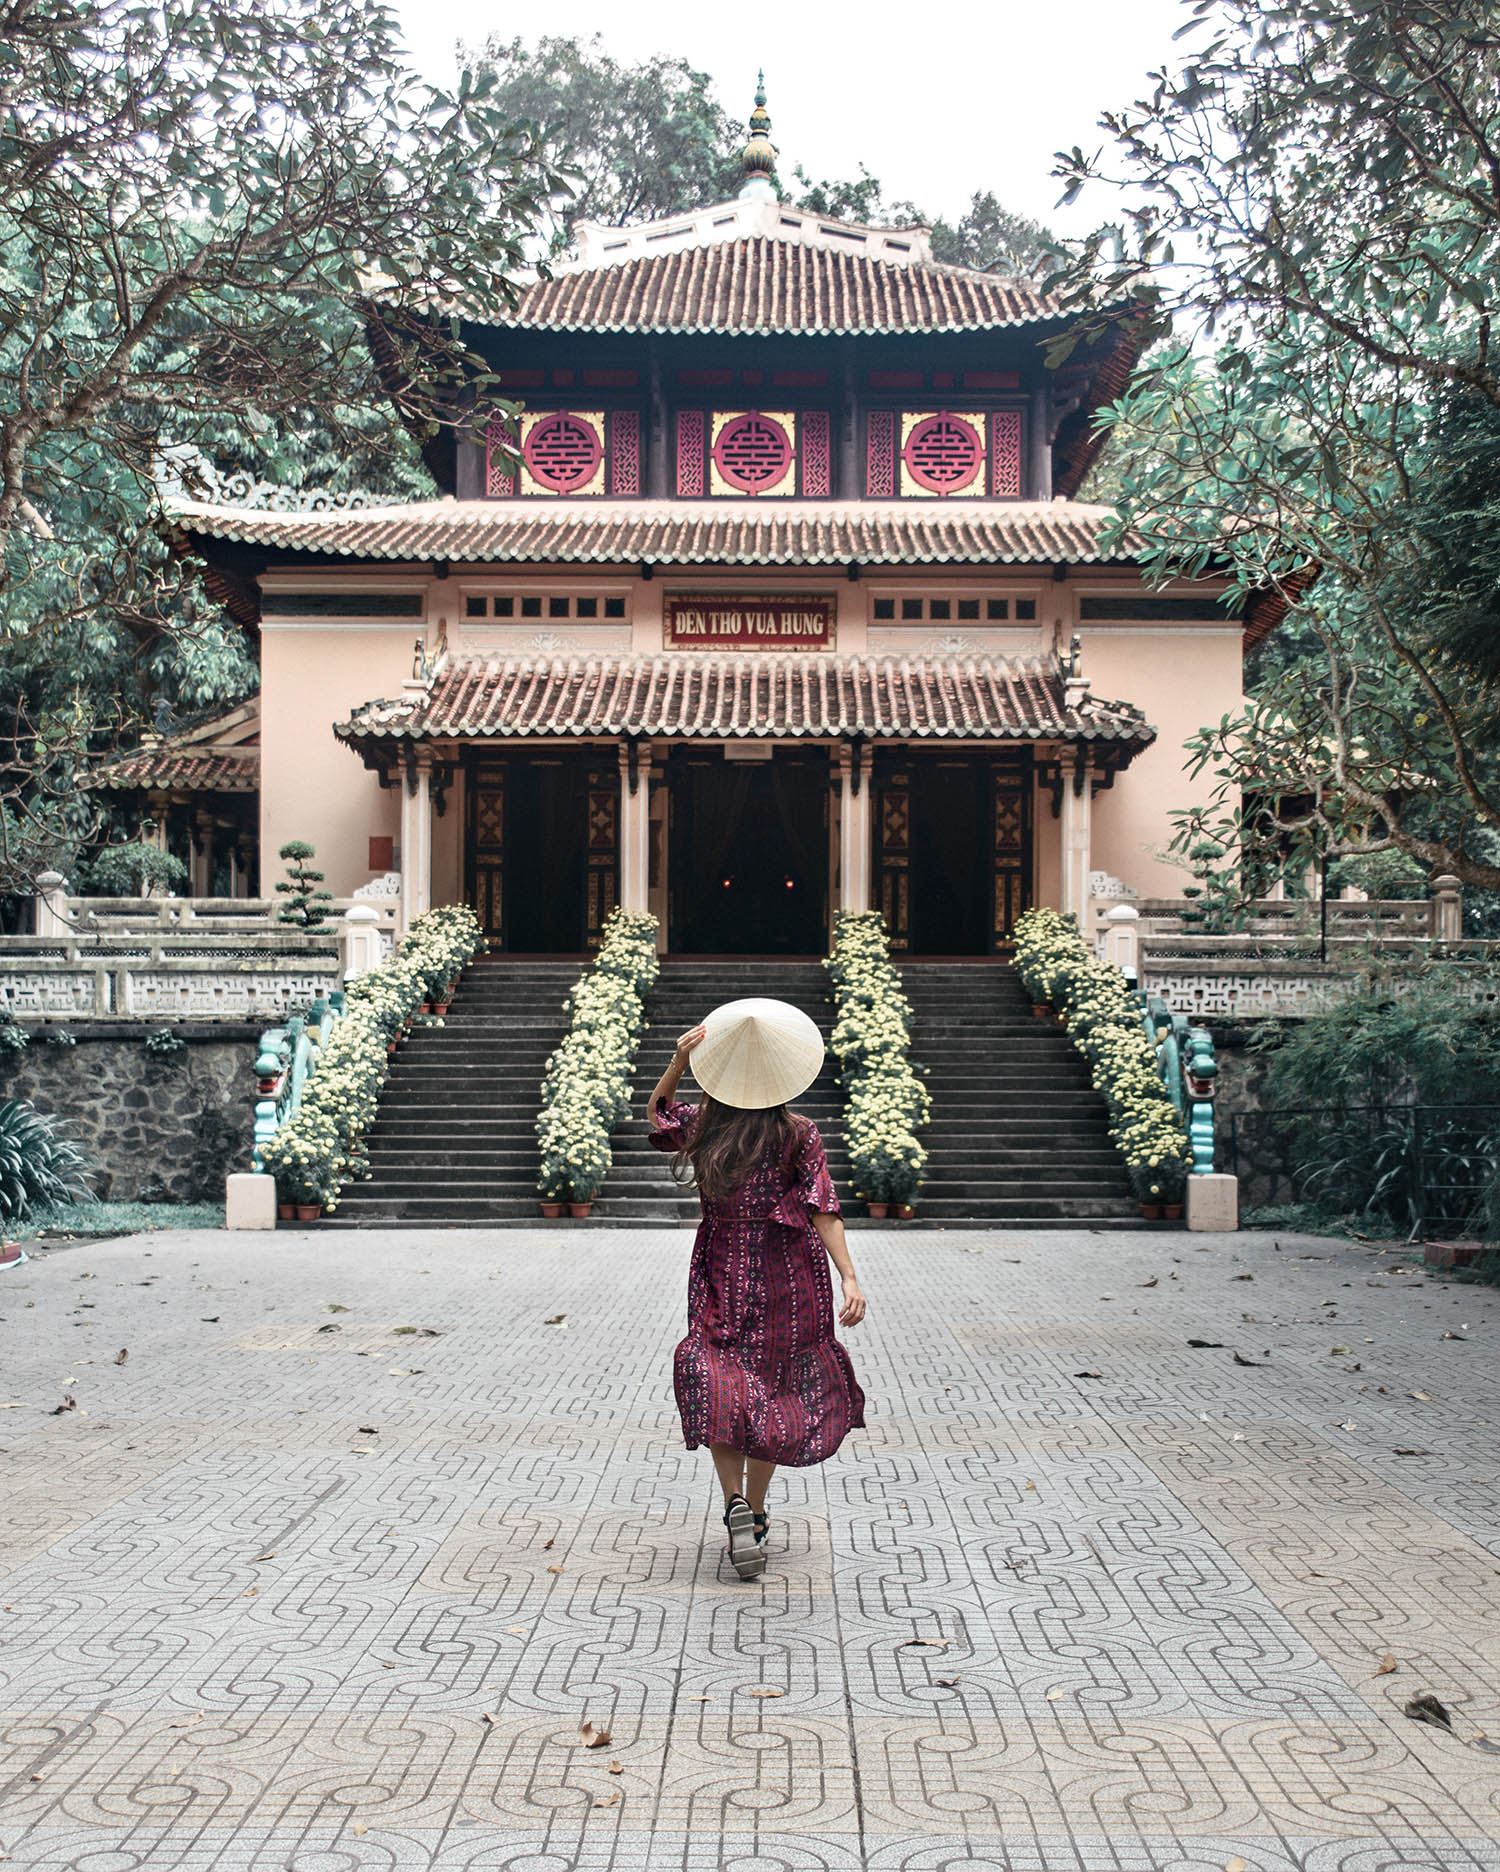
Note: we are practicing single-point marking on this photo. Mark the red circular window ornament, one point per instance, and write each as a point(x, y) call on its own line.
point(943, 453)
point(753, 452)
point(562, 452)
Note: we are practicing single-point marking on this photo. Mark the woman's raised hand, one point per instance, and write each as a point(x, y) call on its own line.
point(686, 1042)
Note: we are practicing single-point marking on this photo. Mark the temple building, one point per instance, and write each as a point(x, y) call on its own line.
point(774, 597)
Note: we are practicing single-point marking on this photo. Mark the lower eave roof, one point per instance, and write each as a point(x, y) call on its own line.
point(740, 532)
point(189, 769)
point(763, 695)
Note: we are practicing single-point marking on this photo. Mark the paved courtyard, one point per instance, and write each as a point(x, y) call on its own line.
point(295, 1585)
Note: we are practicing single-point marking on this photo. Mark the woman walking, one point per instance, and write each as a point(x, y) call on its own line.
point(760, 1377)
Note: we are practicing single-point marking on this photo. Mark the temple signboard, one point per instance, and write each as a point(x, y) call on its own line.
point(723, 623)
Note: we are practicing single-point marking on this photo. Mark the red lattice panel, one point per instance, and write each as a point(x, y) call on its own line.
point(1005, 454)
point(880, 453)
point(563, 453)
point(816, 470)
point(499, 477)
point(943, 454)
point(753, 452)
point(625, 452)
point(689, 454)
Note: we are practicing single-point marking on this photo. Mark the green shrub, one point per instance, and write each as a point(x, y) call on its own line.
point(39, 1163)
point(304, 906)
point(135, 869)
point(586, 1087)
point(1103, 1019)
point(886, 1103)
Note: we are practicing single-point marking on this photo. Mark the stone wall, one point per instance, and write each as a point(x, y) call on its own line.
point(159, 1127)
point(1241, 1091)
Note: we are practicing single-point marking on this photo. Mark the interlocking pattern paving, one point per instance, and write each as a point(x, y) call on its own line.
point(295, 1587)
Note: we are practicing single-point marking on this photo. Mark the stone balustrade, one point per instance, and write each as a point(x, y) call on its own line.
point(1227, 978)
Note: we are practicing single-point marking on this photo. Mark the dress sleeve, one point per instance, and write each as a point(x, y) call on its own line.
point(814, 1184)
point(671, 1126)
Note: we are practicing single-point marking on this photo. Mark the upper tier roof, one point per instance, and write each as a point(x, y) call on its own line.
point(771, 283)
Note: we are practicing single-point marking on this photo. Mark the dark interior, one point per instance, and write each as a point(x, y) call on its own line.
point(545, 832)
point(749, 857)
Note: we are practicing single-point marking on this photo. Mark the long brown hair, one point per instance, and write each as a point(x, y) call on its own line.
point(726, 1143)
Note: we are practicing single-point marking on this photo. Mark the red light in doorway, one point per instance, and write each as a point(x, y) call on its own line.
point(790, 883)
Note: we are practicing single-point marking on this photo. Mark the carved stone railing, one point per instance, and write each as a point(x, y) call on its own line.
point(1232, 978)
point(1185, 1054)
point(158, 976)
point(283, 1063)
point(1309, 920)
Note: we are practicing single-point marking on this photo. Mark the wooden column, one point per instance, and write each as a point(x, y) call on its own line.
point(854, 829)
point(1040, 475)
point(656, 434)
point(416, 837)
point(635, 826)
point(1076, 831)
point(850, 484)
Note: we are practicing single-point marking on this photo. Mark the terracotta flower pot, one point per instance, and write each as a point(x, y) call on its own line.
point(1172, 1211)
point(904, 1212)
point(426, 1007)
point(877, 1211)
point(552, 1208)
point(309, 1212)
point(440, 1007)
point(1151, 1211)
point(579, 1210)
point(285, 1211)
point(1040, 1009)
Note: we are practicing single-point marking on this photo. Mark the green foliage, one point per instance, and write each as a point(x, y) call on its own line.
point(1403, 1039)
point(13, 1037)
point(165, 1043)
point(39, 1162)
point(134, 869)
point(586, 1087)
point(305, 902)
point(1348, 421)
point(1104, 1022)
point(886, 1104)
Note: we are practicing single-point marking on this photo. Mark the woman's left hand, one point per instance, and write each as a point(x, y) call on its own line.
point(853, 1309)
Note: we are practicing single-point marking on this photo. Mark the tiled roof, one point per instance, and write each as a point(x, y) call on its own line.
point(192, 769)
point(762, 285)
point(696, 693)
point(739, 532)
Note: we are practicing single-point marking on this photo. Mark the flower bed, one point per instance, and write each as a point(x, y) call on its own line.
point(320, 1147)
point(586, 1088)
point(887, 1104)
point(1104, 1022)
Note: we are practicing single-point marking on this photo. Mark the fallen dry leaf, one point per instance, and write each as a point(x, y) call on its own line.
point(948, 1682)
point(935, 1644)
point(385, 1666)
point(702, 1699)
point(251, 1593)
point(1234, 1865)
point(488, 1717)
point(334, 1307)
point(1420, 1396)
point(1338, 1349)
point(330, 1327)
point(187, 1721)
point(1053, 1695)
point(1242, 1277)
point(1147, 1283)
point(1207, 1345)
point(400, 1372)
point(359, 1829)
point(1031, 1485)
point(1411, 1452)
point(269, 1554)
point(610, 1799)
point(554, 1569)
point(616, 1767)
point(69, 1403)
point(1424, 1707)
point(1240, 1359)
point(593, 1738)
point(15, 1406)
point(1347, 1424)
point(368, 1429)
point(422, 1332)
point(1387, 1664)
point(516, 1631)
point(547, 1543)
point(122, 1355)
point(1088, 1374)
point(557, 1319)
point(204, 1319)
point(763, 1691)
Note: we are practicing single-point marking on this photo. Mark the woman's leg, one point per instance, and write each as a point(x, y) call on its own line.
point(730, 1465)
point(757, 1481)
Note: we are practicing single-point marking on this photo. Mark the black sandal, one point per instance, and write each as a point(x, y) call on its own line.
point(762, 1524)
point(745, 1554)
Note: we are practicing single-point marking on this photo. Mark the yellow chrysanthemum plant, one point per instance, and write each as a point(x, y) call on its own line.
point(1103, 1018)
point(586, 1087)
point(319, 1146)
point(886, 1102)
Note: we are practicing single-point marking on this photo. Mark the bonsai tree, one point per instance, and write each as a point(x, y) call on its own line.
point(304, 901)
point(135, 869)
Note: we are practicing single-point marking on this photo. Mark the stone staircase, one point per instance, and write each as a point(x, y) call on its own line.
point(454, 1144)
point(640, 1189)
point(1018, 1135)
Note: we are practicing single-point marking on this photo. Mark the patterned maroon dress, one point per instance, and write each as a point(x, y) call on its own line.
point(760, 1368)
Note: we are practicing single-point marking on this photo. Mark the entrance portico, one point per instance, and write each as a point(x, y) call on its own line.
point(742, 799)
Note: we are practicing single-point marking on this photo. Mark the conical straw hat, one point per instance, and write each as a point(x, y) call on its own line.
point(757, 1053)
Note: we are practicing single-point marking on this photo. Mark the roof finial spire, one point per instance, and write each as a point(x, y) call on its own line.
point(758, 160)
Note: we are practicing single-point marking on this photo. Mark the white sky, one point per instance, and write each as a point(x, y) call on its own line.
point(937, 99)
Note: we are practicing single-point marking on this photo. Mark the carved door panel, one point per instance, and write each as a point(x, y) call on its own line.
point(602, 888)
point(487, 795)
point(1011, 851)
point(893, 807)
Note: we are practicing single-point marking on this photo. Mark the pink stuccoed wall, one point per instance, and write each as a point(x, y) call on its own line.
point(1184, 677)
point(312, 786)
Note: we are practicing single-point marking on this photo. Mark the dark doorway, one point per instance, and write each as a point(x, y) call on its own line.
point(542, 850)
point(953, 851)
point(749, 854)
